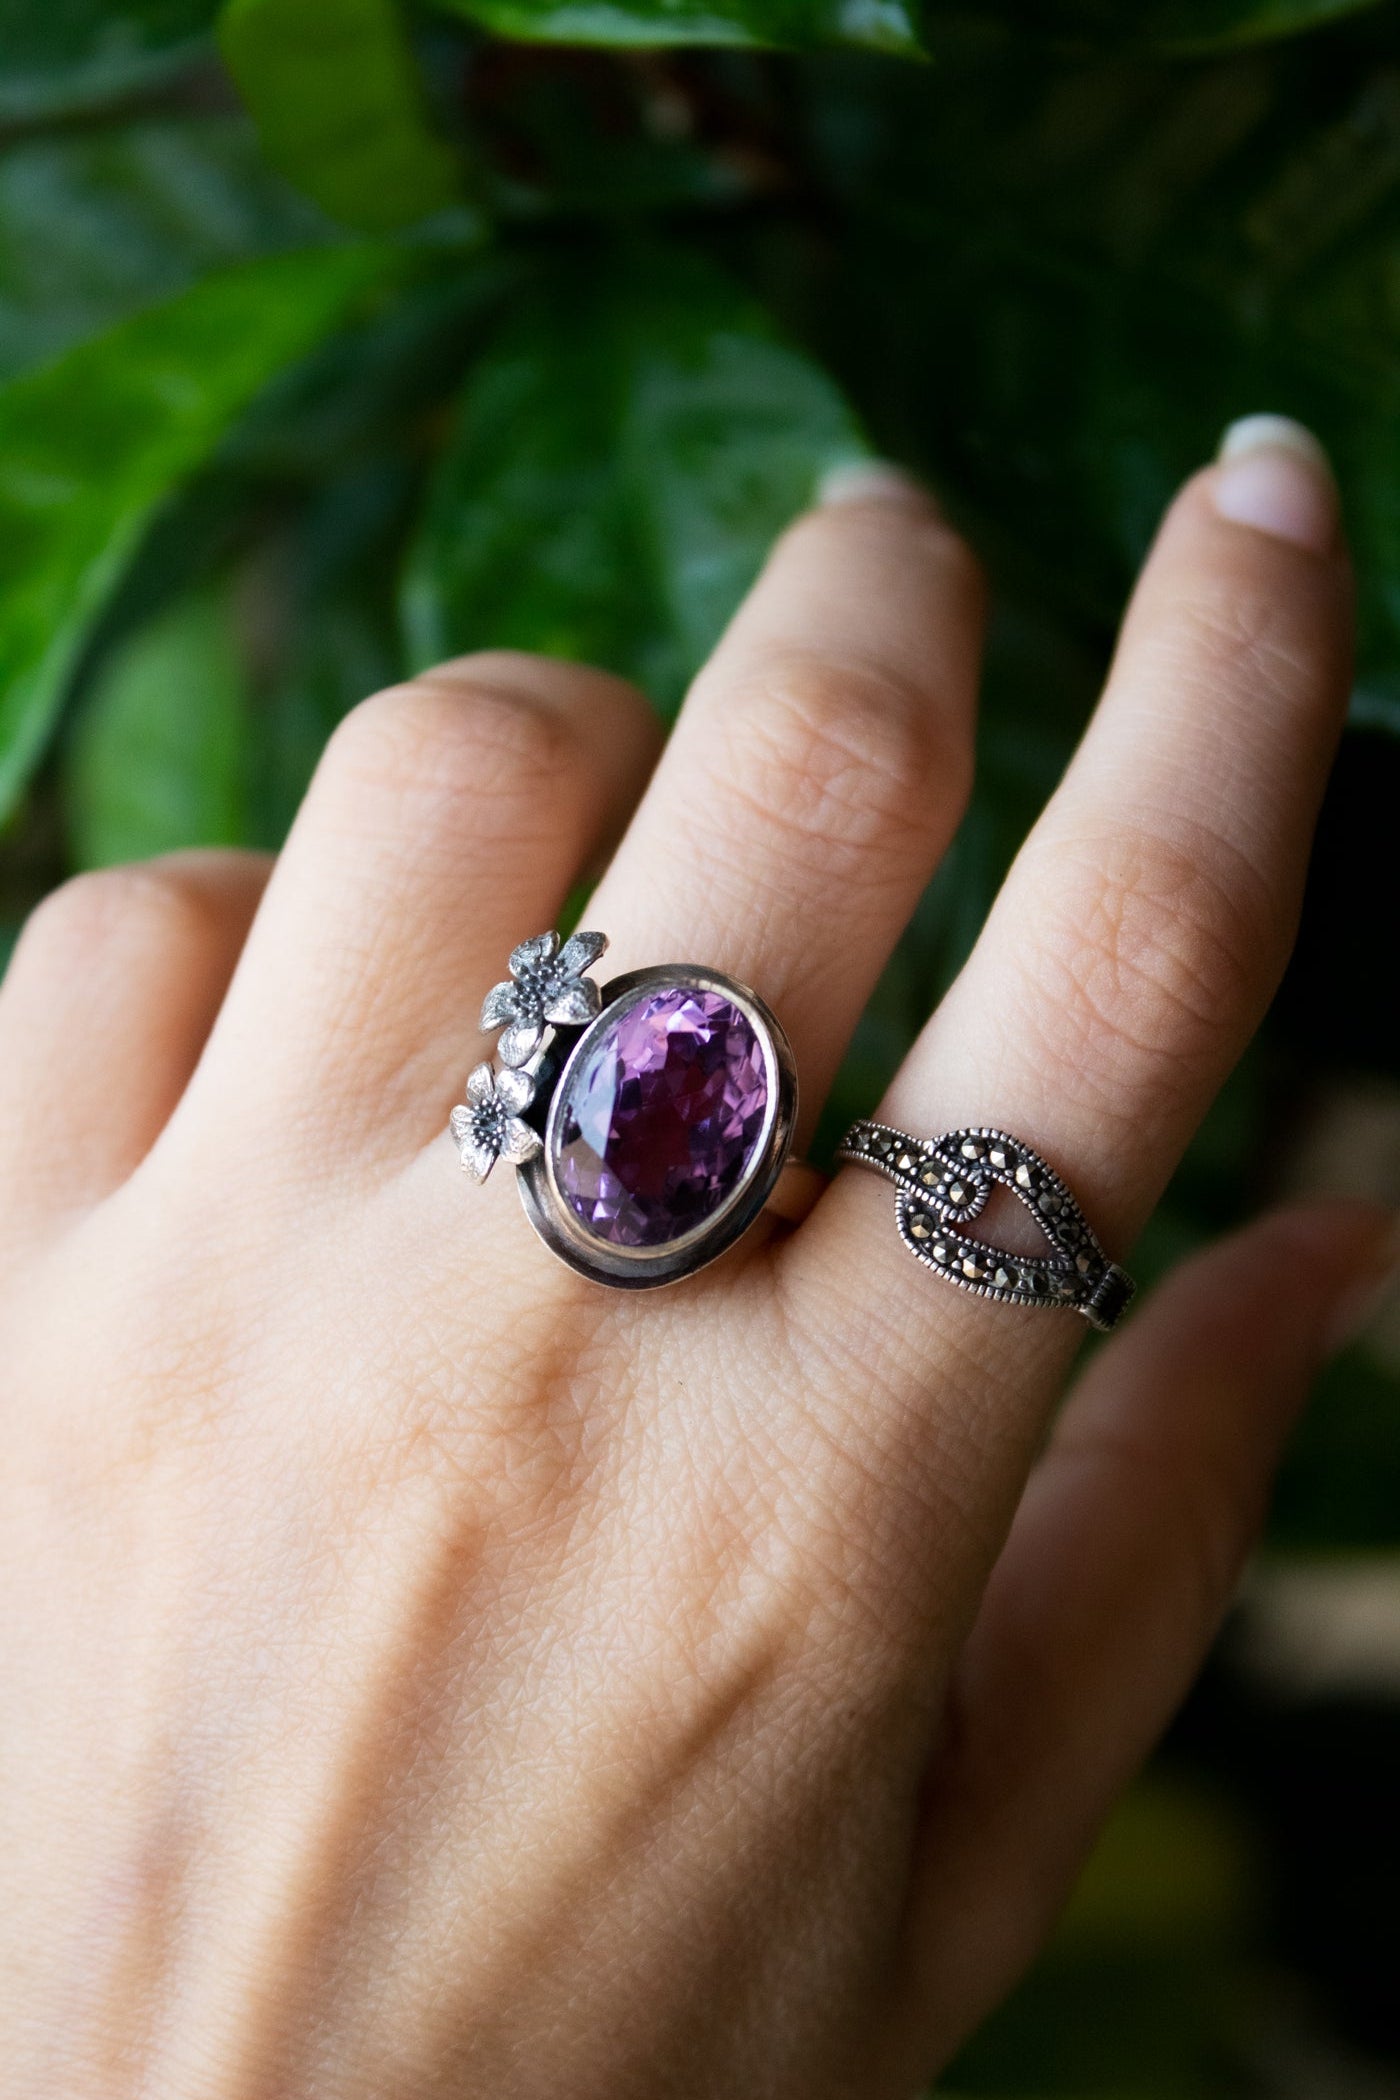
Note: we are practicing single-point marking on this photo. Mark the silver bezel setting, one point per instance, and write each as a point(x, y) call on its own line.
point(646, 1268)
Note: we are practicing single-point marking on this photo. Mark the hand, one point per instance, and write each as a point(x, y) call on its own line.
point(427, 1673)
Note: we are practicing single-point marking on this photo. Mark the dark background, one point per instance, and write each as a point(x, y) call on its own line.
point(336, 336)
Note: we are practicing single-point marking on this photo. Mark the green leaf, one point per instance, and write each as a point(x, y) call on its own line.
point(882, 25)
point(64, 55)
point(1177, 25)
point(99, 222)
point(338, 105)
point(1057, 282)
point(327, 593)
point(160, 754)
point(91, 443)
point(625, 452)
point(382, 383)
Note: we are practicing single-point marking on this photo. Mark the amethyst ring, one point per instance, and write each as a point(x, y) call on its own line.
point(650, 1120)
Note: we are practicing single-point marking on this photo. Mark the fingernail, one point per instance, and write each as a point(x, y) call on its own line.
point(1362, 1301)
point(1273, 475)
point(871, 481)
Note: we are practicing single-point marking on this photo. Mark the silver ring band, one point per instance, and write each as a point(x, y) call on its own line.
point(945, 1182)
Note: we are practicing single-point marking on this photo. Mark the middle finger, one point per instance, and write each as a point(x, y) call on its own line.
point(817, 771)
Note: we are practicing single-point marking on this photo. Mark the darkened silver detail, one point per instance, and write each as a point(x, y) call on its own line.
point(945, 1182)
point(491, 1124)
point(545, 986)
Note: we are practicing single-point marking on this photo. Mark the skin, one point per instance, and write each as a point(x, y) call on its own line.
point(427, 1673)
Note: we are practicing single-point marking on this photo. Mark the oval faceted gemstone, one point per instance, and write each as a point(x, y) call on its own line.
point(662, 1117)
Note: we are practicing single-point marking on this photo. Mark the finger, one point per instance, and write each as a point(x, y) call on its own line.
point(447, 820)
point(106, 1006)
point(1123, 1557)
point(1132, 951)
point(818, 768)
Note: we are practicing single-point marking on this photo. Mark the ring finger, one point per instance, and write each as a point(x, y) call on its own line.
point(1133, 948)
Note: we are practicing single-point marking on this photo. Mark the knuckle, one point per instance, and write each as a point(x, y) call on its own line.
point(507, 670)
point(439, 743)
point(1151, 946)
point(839, 756)
point(81, 921)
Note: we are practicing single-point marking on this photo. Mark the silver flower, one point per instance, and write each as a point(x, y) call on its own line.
point(489, 1127)
point(546, 984)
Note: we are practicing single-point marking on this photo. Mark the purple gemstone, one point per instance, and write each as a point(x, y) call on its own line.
point(662, 1117)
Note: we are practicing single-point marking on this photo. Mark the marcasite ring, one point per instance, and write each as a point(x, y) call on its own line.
point(945, 1182)
point(650, 1120)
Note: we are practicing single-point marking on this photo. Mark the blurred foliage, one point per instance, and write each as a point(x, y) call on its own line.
point(339, 334)
point(1141, 1978)
point(91, 443)
point(624, 453)
point(159, 757)
point(56, 56)
point(333, 89)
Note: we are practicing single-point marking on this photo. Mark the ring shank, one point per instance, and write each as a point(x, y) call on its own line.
point(944, 1183)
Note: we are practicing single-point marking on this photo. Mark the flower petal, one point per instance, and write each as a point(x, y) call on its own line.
point(579, 953)
point(530, 954)
point(520, 1042)
point(518, 1141)
point(460, 1123)
point(478, 1159)
point(515, 1090)
point(481, 1085)
point(498, 1006)
point(574, 1002)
